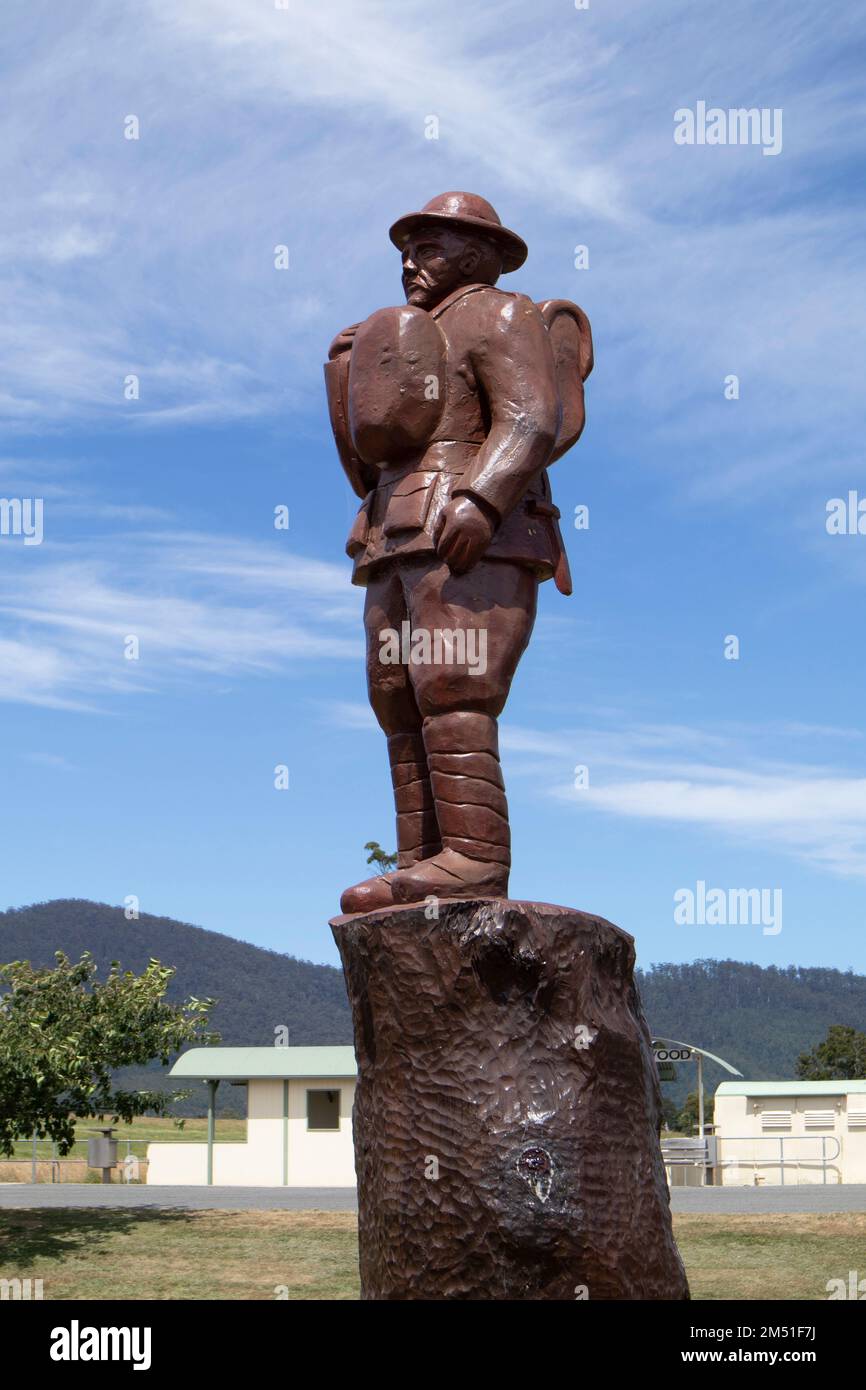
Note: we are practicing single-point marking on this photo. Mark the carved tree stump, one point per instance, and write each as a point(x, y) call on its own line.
point(507, 1112)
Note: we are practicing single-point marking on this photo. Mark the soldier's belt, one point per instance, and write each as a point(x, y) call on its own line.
point(442, 456)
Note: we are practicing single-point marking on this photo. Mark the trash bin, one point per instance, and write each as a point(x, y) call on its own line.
point(102, 1152)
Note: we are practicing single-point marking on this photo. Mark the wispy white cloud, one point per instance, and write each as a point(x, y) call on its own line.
point(55, 761)
point(820, 819)
point(306, 126)
point(345, 714)
point(198, 606)
point(793, 801)
point(777, 786)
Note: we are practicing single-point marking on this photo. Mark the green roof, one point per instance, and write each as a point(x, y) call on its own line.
point(790, 1088)
point(261, 1063)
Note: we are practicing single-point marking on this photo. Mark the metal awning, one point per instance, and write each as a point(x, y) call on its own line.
point(264, 1063)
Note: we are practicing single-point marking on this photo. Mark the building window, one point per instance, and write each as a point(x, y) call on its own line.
point(857, 1119)
point(323, 1110)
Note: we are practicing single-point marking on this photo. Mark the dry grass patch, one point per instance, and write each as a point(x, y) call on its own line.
point(775, 1257)
point(149, 1254)
point(152, 1254)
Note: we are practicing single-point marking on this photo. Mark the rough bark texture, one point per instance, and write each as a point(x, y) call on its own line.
point(507, 1112)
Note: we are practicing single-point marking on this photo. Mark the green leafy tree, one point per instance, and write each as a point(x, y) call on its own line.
point(670, 1113)
point(63, 1032)
point(687, 1120)
point(840, 1057)
point(384, 862)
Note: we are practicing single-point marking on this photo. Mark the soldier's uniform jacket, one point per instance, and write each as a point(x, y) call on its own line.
point(420, 395)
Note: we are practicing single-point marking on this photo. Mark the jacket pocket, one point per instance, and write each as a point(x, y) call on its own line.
point(408, 505)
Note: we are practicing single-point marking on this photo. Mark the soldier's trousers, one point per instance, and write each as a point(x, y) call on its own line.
point(438, 643)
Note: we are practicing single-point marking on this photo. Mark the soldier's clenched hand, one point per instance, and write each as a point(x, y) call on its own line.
point(464, 532)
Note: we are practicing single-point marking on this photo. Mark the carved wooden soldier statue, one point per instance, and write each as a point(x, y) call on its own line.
point(446, 413)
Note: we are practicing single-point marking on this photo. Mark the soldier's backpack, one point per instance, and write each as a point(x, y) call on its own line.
point(571, 340)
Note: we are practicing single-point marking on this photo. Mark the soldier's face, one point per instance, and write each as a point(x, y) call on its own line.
point(435, 262)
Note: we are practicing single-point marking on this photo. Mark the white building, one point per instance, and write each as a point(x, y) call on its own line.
point(299, 1126)
point(299, 1119)
point(790, 1132)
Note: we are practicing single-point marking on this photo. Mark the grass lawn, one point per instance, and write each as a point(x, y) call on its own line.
point(151, 1254)
point(786, 1256)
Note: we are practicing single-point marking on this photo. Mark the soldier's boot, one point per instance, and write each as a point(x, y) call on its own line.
point(468, 791)
point(417, 828)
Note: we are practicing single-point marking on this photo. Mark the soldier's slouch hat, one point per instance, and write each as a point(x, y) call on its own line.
point(467, 212)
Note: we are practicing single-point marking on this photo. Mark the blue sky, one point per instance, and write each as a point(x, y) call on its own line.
point(155, 257)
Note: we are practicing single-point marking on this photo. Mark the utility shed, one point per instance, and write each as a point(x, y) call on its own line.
point(299, 1119)
point(771, 1132)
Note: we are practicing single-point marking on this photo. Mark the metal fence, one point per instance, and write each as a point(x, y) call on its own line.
point(788, 1155)
point(45, 1164)
point(783, 1159)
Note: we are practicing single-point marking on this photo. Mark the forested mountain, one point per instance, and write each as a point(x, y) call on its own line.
point(758, 1018)
point(257, 990)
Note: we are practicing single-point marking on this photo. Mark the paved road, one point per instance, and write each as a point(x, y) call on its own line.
point(81, 1194)
point(722, 1201)
point(709, 1200)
